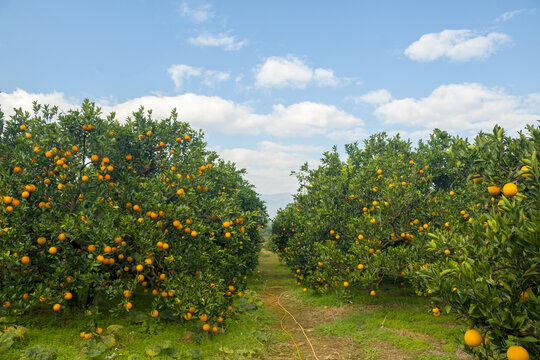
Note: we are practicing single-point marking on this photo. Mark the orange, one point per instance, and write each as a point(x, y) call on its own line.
point(517, 353)
point(127, 293)
point(372, 293)
point(62, 237)
point(345, 284)
point(528, 170)
point(94, 158)
point(446, 252)
point(91, 248)
point(206, 327)
point(510, 189)
point(129, 306)
point(154, 313)
point(56, 307)
point(99, 330)
point(25, 259)
point(452, 193)
point(203, 317)
point(473, 337)
point(187, 316)
point(84, 178)
point(68, 296)
point(360, 266)
point(52, 250)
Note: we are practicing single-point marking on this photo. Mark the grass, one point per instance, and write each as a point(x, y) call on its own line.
point(393, 324)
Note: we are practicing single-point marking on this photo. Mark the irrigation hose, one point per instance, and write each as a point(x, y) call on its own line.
point(286, 312)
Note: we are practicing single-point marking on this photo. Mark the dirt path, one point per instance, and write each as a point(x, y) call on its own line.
point(274, 294)
point(276, 288)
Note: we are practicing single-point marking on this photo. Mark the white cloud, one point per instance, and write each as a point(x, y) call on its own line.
point(375, 97)
point(201, 13)
point(463, 108)
point(308, 119)
point(456, 45)
point(348, 135)
point(212, 112)
point(292, 72)
point(225, 41)
point(180, 72)
point(508, 15)
point(21, 99)
point(211, 77)
point(270, 164)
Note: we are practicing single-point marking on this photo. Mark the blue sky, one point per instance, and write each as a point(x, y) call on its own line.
point(274, 84)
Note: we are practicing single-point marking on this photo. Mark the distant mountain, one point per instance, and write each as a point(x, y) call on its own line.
point(276, 201)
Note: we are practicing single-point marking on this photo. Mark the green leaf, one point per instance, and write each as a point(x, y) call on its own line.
point(40, 353)
point(108, 340)
point(114, 328)
point(96, 350)
point(173, 352)
point(153, 350)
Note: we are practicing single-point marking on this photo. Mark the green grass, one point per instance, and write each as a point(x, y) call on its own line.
point(393, 319)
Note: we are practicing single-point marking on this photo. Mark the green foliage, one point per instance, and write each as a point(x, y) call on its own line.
point(425, 216)
point(87, 198)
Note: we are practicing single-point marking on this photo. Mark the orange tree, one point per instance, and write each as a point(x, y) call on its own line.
point(374, 216)
point(95, 208)
point(491, 276)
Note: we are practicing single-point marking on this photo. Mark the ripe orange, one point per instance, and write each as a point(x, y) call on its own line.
point(68, 296)
point(360, 266)
point(91, 248)
point(154, 313)
point(53, 250)
point(25, 259)
point(127, 293)
point(510, 189)
point(62, 237)
point(203, 317)
point(129, 306)
point(56, 307)
point(372, 293)
point(517, 353)
point(473, 337)
point(206, 327)
point(99, 330)
point(528, 170)
point(345, 284)
point(94, 158)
